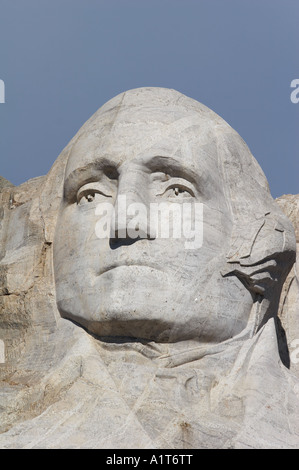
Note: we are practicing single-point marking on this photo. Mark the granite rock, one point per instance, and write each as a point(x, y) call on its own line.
point(135, 340)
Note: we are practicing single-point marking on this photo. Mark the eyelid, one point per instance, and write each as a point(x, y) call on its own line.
point(95, 187)
point(180, 183)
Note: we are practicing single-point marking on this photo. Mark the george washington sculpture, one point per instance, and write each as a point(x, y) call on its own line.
point(135, 340)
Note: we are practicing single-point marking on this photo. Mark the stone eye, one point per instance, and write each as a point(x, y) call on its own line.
point(88, 194)
point(89, 197)
point(178, 190)
point(86, 197)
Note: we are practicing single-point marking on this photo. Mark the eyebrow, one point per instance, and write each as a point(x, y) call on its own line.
point(87, 174)
point(173, 167)
point(93, 170)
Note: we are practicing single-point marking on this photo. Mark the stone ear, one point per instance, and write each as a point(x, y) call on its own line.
point(260, 255)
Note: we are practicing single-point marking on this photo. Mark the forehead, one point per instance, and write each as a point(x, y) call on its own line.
point(131, 133)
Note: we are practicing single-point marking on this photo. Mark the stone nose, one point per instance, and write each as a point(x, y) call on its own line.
point(131, 210)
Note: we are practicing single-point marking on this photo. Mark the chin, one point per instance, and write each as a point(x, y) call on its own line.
point(131, 330)
point(130, 320)
point(118, 323)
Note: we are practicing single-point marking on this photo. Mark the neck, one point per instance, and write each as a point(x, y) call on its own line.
point(186, 353)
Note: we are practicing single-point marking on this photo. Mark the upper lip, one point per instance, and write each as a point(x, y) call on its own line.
point(117, 264)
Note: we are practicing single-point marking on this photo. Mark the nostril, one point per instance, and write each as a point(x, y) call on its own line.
point(116, 242)
point(118, 239)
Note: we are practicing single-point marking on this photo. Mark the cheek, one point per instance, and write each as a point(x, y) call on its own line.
point(75, 227)
point(75, 243)
point(230, 304)
point(217, 226)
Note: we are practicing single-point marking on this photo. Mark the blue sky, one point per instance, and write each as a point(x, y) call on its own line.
point(62, 59)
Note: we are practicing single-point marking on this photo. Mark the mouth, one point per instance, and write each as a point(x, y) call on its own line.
point(128, 264)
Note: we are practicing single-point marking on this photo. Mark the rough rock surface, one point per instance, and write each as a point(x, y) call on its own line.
point(289, 301)
point(190, 355)
point(4, 183)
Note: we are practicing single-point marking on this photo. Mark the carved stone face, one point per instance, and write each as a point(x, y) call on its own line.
point(151, 288)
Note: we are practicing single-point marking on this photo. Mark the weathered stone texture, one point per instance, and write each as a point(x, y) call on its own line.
point(145, 343)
